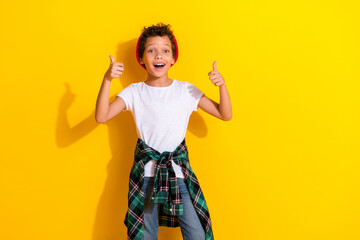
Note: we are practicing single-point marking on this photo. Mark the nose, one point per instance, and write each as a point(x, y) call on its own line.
point(158, 56)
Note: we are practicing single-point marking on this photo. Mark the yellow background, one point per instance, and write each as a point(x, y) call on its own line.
point(285, 167)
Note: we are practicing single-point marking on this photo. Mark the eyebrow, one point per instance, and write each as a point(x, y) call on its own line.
point(154, 44)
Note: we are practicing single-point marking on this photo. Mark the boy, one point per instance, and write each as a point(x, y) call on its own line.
point(163, 189)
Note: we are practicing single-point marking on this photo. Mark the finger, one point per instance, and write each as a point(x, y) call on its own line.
point(118, 64)
point(214, 66)
point(115, 75)
point(115, 68)
point(216, 81)
point(118, 71)
point(211, 73)
point(112, 60)
point(217, 75)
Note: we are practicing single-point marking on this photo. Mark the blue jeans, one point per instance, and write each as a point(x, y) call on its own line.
point(190, 225)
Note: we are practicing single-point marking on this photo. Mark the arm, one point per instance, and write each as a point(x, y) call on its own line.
point(220, 110)
point(104, 112)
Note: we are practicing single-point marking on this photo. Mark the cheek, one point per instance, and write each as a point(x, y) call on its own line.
point(146, 58)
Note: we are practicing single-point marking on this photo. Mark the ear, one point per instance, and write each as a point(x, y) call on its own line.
point(141, 61)
point(173, 61)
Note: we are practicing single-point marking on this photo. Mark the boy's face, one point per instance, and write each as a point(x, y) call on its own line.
point(158, 56)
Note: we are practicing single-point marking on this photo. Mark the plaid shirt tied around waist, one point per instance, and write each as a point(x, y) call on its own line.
point(165, 191)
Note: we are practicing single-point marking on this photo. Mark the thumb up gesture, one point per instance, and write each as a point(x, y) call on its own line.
point(115, 69)
point(215, 76)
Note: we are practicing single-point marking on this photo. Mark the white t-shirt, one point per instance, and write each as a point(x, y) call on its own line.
point(161, 115)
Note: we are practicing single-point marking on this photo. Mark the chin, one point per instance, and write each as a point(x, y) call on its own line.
point(158, 75)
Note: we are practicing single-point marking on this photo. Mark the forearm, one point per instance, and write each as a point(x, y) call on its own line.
point(225, 103)
point(102, 103)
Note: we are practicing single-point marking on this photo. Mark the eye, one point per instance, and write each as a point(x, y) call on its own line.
point(167, 51)
point(150, 51)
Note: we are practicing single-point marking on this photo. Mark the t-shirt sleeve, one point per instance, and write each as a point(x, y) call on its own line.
point(127, 95)
point(195, 96)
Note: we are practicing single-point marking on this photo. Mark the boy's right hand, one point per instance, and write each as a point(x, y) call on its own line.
point(115, 69)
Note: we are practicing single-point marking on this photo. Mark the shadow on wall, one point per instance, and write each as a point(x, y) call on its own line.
point(112, 206)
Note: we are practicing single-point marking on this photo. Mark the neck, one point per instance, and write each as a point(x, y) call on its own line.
point(163, 81)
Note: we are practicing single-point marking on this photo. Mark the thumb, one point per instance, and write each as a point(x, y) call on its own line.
point(214, 66)
point(112, 60)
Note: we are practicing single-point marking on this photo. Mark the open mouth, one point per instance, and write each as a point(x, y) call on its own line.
point(159, 65)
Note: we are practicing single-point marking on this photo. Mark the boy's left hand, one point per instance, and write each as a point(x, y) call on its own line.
point(215, 76)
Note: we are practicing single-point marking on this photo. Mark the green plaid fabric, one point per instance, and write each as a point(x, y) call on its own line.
point(165, 190)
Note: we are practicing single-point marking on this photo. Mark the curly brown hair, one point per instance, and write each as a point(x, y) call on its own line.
point(159, 29)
